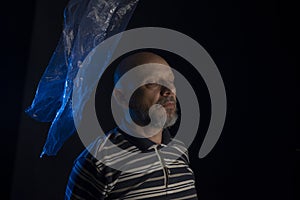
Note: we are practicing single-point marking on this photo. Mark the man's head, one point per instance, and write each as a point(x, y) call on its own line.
point(155, 70)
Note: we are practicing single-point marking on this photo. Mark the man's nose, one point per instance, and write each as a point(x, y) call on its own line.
point(165, 91)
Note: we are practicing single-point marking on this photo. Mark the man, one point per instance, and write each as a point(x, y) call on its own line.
point(138, 159)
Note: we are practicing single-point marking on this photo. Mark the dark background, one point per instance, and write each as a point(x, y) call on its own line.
point(254, 46)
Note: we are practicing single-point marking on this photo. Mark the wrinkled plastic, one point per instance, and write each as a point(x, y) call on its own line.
point(86, 24)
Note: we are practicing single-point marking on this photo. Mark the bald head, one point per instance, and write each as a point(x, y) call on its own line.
point(136, 60)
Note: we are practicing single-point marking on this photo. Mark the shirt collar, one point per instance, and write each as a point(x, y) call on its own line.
point(144, 143)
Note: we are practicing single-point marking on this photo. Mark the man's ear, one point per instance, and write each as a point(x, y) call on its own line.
point(120, 97)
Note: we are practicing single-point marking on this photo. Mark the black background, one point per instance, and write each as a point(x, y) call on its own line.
point(254, 46)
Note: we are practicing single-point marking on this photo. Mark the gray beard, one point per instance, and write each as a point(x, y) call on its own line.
point(158, 122)
point(142, 118)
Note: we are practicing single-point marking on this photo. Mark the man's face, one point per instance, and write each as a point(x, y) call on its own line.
point(153, 92)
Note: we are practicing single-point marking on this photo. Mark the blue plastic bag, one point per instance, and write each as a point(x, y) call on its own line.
point(87, 23)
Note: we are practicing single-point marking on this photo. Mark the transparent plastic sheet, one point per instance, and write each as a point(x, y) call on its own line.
point(86, 24)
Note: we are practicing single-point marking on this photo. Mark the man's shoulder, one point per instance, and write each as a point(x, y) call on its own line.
point(180, 144)
point(102, 146)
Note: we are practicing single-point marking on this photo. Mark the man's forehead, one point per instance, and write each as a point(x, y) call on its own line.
point(141, 67)
point(147, 73)
point(142, 58)
point(153, 70)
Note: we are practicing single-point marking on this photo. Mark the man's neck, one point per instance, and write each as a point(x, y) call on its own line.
point(156, 138)
point(141, 131)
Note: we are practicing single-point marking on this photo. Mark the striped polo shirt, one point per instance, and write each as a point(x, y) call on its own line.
point(120, 166)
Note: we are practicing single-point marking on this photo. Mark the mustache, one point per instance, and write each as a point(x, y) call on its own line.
point(165, 100)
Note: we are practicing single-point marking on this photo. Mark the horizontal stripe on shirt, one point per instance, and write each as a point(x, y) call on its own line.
point(119, 166)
